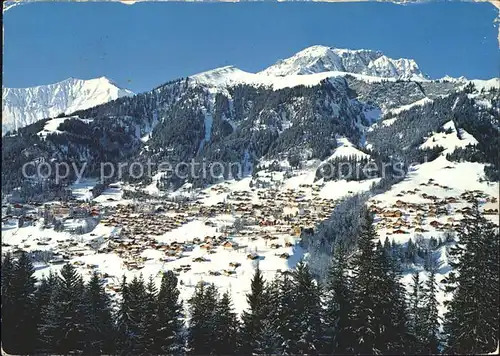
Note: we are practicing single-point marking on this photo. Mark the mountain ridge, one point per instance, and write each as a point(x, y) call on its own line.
point(319, 58)
point(25, 106)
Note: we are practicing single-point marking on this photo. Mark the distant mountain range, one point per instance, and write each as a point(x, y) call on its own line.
point(300, 107)
point(318, 59)
point(25, 106)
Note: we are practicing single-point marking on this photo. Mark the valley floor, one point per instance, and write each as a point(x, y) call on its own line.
point(224, 230)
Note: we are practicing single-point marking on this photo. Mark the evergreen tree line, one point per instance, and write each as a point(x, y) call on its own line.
point(362, 308)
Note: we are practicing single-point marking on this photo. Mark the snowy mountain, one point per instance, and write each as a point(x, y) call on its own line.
point(25, 106)
point(229, 115)
point(317, 59)
point(314, 148)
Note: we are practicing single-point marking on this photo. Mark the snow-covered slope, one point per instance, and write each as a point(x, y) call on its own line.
point(314, 64)
point(232, 76)
point(24, 106)
point(479, 84)
point(317, 59)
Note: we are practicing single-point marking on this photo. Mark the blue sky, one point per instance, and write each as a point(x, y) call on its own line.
point(147, 44)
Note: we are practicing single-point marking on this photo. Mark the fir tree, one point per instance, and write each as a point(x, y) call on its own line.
point(24, 289)
point(308, 310)
point(136, 296)
point(202, 320)
point(123, 322)
point(149, 321)
point(338, 333)
point(395, 327)
point(99, 334)
point(267, 341)
point(8, 304)
point(43, 296)
point(430, 324)
point(169, 338)
point(388, 246)
point(282, 303)
point(253, 317)
point(18, 307)
point(400, 336)
point(227, 327)
point(471, 322)
point(416, 314)
point(365, 284)
point(64, 320)
point(379, 306)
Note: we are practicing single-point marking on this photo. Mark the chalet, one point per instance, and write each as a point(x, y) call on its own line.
point(113, 287)
point(56, 261)
point(435, 223)
point(466, 210)
point(392, 214)
point(252, 256)
point(399, 231)
point(267, 223)
point(419, 229)
point(490, 211)
point(206, 246)
point(229, 245)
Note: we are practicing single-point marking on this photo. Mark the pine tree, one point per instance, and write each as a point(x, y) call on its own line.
point(136, 295)
point(43, 296)
point(253, 317)
point(268, 339)
point(18, 307)
point(416, 314)
point(149, 319)
point(430, 324)
point(338, 333)
point(123, 322)
point(379, 312)
point(64, 321)
point(388, 247)
point(281, 314)
point(202, 322)
point(411, 251)
point(8, 304)
point(471, 322)
point(169, 338)
point(393, 307)
point(99, 334)
point(308, 310)
point(227, 327)
point(23, 285)
point(365, 284)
